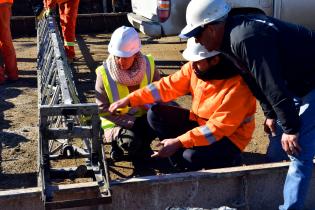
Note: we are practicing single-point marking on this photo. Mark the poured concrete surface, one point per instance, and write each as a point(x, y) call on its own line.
point(257, 187)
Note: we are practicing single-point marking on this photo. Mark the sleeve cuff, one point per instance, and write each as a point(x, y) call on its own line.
point(186, 142)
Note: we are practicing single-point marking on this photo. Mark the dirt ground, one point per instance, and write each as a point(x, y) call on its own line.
point(18, 106)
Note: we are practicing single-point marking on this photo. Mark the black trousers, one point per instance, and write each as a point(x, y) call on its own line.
point(171, 121)
point(134, 142)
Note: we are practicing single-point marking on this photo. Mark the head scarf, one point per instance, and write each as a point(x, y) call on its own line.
point(130, 77)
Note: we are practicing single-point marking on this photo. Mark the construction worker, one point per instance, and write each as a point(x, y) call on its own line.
point(220, 123)
point(125, 70)
point(277, 59)
point(9, 71)
point(68, 11)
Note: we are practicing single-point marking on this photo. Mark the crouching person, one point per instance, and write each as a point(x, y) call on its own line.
point(220, 122)
point(125, 70)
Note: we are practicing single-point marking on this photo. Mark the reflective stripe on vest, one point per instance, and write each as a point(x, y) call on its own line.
point(69, 44)
point(116, 91)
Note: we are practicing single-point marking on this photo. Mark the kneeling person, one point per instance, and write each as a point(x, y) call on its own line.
point(125, 70)
point(219, 124)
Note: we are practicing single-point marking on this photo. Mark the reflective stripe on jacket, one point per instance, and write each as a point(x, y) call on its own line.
point(116, 91)
point(6, 1)
point(221, 107)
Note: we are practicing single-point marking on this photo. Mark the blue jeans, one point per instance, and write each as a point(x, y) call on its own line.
point(301, 166)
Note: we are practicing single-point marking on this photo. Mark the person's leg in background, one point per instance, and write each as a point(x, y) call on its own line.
point(68, 16)
point(301, 166)
point(7, 50)
point(1, 67)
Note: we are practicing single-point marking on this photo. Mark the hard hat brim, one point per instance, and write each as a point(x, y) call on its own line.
point(122, 54)
point(192, 57)
point(189, 32)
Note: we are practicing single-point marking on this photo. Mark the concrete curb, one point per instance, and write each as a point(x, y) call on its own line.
point(256, 187)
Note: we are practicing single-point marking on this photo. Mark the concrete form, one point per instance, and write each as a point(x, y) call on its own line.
point(257, 187)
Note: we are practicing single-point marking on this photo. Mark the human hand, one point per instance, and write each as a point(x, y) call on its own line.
point(290, 143)
point(169, 147)
point(270, 126)
point(122, 103)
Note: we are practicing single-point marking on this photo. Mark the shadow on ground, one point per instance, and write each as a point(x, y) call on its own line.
point(15, 181)
point(5, 94)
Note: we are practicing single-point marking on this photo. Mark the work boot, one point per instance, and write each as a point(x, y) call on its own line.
point(116, 153)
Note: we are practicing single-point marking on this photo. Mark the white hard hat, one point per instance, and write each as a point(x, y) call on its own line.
point(125, 42)
point(196, 52)
point(201, 12)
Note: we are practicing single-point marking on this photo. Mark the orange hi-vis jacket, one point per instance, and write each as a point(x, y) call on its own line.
point(6, 1)
point(221, 107)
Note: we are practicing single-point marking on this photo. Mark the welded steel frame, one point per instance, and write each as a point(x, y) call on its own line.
point(61, 118)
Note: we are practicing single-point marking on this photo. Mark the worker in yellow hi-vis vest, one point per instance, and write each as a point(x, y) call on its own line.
point(68, 11)
point(125, 70)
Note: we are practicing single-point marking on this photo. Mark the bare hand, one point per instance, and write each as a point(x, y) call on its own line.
point(118, 104)
point(270, 126)
point(169, 147)
point(290, 143)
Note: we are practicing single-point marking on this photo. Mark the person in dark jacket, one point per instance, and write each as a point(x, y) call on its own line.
point(277, 62)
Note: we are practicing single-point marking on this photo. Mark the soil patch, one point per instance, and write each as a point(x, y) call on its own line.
point(19, 118)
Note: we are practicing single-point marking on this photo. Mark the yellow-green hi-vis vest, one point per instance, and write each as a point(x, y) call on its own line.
point(116, 91)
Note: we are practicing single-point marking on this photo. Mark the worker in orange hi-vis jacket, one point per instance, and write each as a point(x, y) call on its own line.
point(7, 51)
point(220, 123)
point(68, 11)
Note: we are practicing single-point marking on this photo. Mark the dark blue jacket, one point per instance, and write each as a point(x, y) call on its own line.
point(279, 58)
